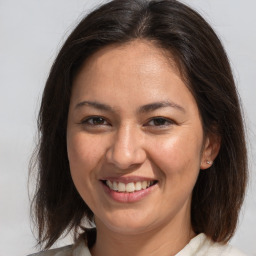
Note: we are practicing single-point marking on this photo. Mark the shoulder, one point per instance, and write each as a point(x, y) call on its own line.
point(224, 250)
point(201, 245)
point(62, 251)
point(78, 249)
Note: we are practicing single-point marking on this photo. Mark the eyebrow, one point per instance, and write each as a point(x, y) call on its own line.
point(96, 105)
point(157, 105)
point(143, 109)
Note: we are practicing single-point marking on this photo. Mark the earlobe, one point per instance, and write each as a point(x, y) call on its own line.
point(210, 150)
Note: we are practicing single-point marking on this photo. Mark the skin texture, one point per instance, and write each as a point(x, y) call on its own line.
point(166, 144)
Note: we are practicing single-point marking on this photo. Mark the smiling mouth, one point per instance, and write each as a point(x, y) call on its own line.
point(130, 187)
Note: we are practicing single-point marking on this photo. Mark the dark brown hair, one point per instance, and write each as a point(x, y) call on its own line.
point(171, 25)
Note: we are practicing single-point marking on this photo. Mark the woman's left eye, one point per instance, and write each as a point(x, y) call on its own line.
point(159, 121)
point(95, 121)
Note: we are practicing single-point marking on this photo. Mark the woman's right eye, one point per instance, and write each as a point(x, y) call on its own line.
point(94, 121)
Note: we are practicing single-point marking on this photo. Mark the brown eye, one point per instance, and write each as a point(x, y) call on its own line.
point(96, 120)
point(160, 121)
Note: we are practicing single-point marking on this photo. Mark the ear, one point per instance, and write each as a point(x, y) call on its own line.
point(210, 150)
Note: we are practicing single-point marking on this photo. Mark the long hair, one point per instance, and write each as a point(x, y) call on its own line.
point(219, 191)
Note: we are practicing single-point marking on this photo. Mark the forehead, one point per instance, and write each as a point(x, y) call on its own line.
point(135, 73)
point(146, 53)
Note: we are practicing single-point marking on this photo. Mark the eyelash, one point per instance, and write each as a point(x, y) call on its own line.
point(164, 122)
point(93, 118)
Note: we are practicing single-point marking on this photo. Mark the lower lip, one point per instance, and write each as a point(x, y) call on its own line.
point(128, 197)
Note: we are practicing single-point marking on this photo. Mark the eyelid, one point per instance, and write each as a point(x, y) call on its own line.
point(167, 120)
point(85, 120)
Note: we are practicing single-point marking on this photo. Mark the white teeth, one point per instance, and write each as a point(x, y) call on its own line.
point(144, 184)
point(138, 186)
point(115, 186)
point(109, 183)
point(129, 187)
point(121, 187)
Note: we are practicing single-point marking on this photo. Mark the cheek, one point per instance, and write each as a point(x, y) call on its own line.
point(85, 156)
point(178, 155)
point(177, 160)
point(83, 151)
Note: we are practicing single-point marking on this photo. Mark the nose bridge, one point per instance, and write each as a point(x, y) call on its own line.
point(126, 148)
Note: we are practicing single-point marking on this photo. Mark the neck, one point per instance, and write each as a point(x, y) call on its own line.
point(165, 240)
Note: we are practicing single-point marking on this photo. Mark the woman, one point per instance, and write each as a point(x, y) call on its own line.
point(141, 136)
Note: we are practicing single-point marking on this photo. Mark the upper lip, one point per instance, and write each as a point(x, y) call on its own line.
point(127, 179)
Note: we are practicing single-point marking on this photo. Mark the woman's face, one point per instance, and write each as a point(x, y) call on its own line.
point(135, 139)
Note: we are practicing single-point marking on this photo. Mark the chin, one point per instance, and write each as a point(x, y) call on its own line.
point(126, 224)
point(128, 228)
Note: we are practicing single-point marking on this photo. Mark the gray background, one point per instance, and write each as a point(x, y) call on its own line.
point(31, 33)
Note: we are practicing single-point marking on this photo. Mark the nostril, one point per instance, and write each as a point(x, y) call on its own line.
point(125, 161)
point(126, 150)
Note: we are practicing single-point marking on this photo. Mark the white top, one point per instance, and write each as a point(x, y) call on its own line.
point(199, 246)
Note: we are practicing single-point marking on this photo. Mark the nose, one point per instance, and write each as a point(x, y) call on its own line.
point(126, 150)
